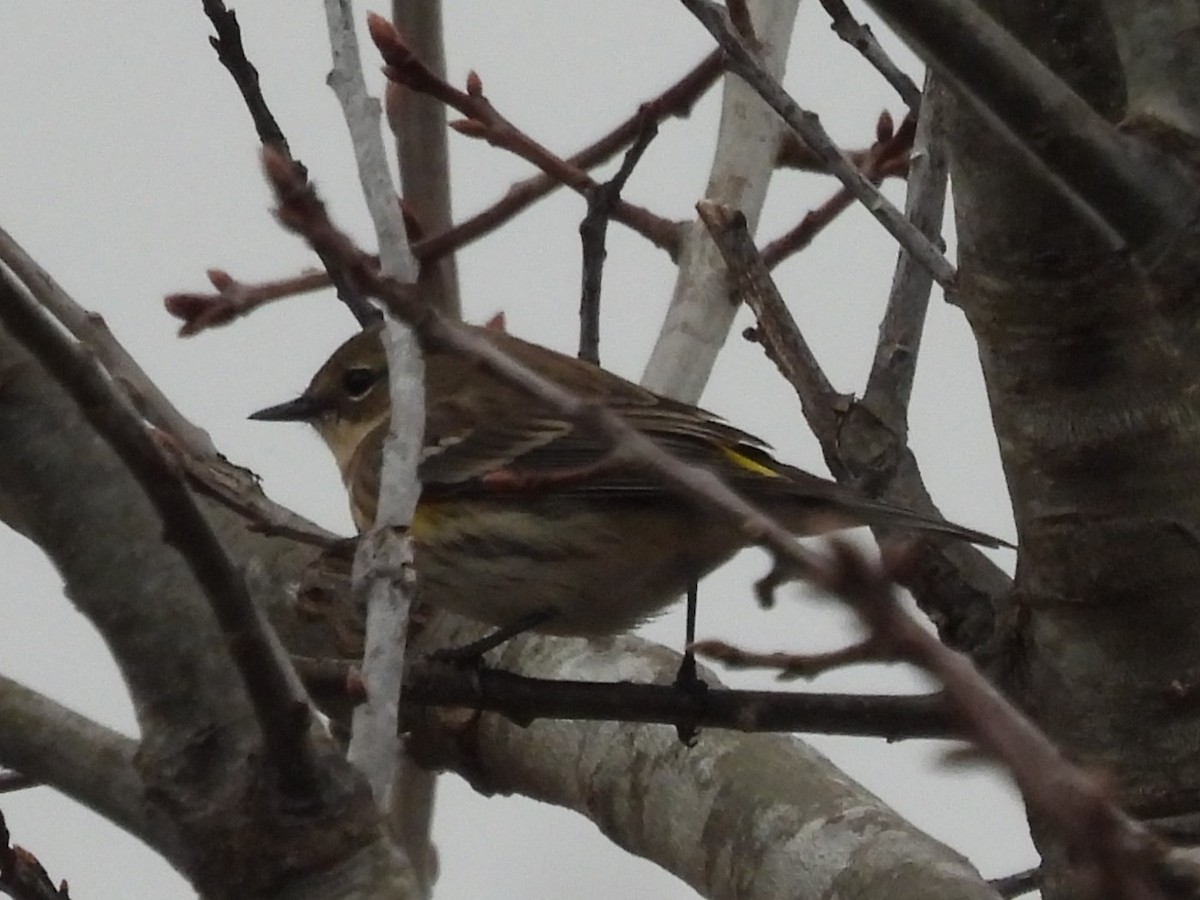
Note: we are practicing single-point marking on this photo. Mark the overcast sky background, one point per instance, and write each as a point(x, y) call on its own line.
point(129, 167)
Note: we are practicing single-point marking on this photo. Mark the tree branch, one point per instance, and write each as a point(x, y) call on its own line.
point(79, 758)
point(748, 143)
point(278, 702)
point(741, 61)
point(1134, 195)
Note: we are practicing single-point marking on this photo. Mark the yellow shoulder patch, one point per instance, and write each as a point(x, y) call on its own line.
point(744, 462)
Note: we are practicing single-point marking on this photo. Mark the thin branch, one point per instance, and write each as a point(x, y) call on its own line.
point(862, 39)
point(742, 62)
point(889, 385)
point(677, 100)
point(236, 489)
point(888, 156)
point(777, 331)
point(278, 701)
point(235, 298)
point(1134, 195)
point(90, 329)
point(1122, 853)
point(382, 576)
point(231, 53)
point(523, 700)
point(483, 121)
point(49, 744)
point(592, 232)
point(749, 134)
point(418, 124)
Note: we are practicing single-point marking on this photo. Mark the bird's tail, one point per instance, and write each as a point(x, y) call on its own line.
point(809, 505)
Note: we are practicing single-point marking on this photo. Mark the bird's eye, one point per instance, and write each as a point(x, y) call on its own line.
point(358, 381)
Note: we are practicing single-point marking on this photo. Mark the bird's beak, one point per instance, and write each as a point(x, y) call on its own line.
point(303, 409)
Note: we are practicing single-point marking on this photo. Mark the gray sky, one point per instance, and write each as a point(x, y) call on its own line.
point(129, 167)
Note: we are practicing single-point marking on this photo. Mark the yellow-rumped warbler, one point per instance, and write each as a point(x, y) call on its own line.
point(524, 513)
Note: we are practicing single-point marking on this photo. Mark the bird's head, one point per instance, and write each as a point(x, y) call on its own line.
point(347, 398)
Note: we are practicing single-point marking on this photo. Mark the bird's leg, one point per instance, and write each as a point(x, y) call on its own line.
point(686, 680)
point(686, 677)
point(470, 654)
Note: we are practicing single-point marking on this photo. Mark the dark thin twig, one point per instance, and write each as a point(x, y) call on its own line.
point(279, 705)
point(232, 55)
point(742, 62)
point(592, 232)
point(862, 39)
point(777, 330)
point(676, 100)
point(523, 700)
point(235, 298)
point(484, 121)
point(1121, 853)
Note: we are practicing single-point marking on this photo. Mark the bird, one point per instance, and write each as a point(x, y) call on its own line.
point(528, 520)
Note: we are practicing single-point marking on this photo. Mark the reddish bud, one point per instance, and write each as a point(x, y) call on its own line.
point(497, 323)
point(219, 278)
point(387, 38)
point(186, 306)
point(474, 84)
point(472, 128)
point(885, 127)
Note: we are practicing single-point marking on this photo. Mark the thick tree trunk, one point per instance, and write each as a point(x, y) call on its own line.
point(1092, 367)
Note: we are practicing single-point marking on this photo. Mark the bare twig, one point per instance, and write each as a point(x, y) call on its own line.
point(861, 38)
point(483, 121)
point(90, 329)
point(235, 298)
point(523, 700)
point(382, 574)
point(1121, 852)
point(888, 156)
point(592, 231)
point(277, 699)
point(236, 489)
point(777, 330)
point(889, 385)
point(422, 149)
point(742, 62)
point(676, 100)
point(749, 133)
point(232, 55)
point(795, 665)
